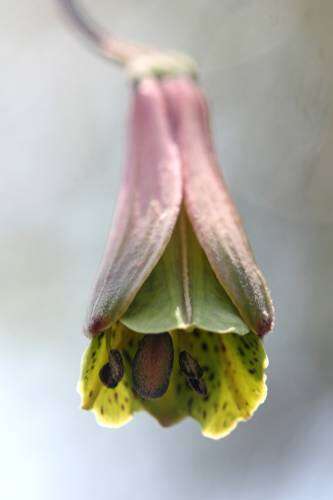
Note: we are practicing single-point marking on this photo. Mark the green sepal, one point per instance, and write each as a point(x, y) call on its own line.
point(182, 292)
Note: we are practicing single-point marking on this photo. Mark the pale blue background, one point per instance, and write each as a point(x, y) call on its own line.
point(267, 68)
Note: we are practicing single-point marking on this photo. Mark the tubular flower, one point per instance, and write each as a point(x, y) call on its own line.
point(180, 306)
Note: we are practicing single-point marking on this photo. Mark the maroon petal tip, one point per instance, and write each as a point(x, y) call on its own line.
point(96, 326)
point(265, 326)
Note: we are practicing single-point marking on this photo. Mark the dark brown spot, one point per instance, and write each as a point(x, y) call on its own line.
point(246, 345)
point(127, 357)
point(204, 346)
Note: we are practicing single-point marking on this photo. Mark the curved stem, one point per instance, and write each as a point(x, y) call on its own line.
point(118, 51)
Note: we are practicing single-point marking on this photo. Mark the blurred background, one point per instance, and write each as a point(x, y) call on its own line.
point(267, 69)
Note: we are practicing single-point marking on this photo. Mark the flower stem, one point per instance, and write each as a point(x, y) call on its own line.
point(118, 51)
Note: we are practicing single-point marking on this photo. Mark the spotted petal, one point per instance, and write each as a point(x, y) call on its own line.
point(147, 209)
point(211, 210)
point(113, 407)
point(233, 368)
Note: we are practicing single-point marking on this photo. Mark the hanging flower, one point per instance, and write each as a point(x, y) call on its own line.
point(180, 305)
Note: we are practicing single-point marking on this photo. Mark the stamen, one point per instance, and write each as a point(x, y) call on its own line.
point(193, 373)
point(113, 371)
point(198, 385)
point(152, 365)
point(189, 365)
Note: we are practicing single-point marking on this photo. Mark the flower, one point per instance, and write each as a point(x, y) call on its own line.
point(179, 305)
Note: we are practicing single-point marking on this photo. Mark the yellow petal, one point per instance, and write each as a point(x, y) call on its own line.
point(112, 407)
point(233, 373)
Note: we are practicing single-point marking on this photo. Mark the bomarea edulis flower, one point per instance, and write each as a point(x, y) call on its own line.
point(180, 306)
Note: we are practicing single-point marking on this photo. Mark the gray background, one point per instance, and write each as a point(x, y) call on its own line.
point(267, 70)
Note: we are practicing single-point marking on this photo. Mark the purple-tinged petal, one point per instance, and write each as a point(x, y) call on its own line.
point(147, 209)
point(210, 208)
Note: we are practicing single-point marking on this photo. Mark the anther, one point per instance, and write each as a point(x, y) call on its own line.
point(193, 373)
point(198, 385)
point(152, 365)
point(113, 371)
point(189, 365)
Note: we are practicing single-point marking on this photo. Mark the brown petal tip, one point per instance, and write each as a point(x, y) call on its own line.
point(266, 323)
point(96, 326)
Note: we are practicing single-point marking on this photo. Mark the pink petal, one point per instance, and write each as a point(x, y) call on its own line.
point(146, 212)
point(210, 208)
